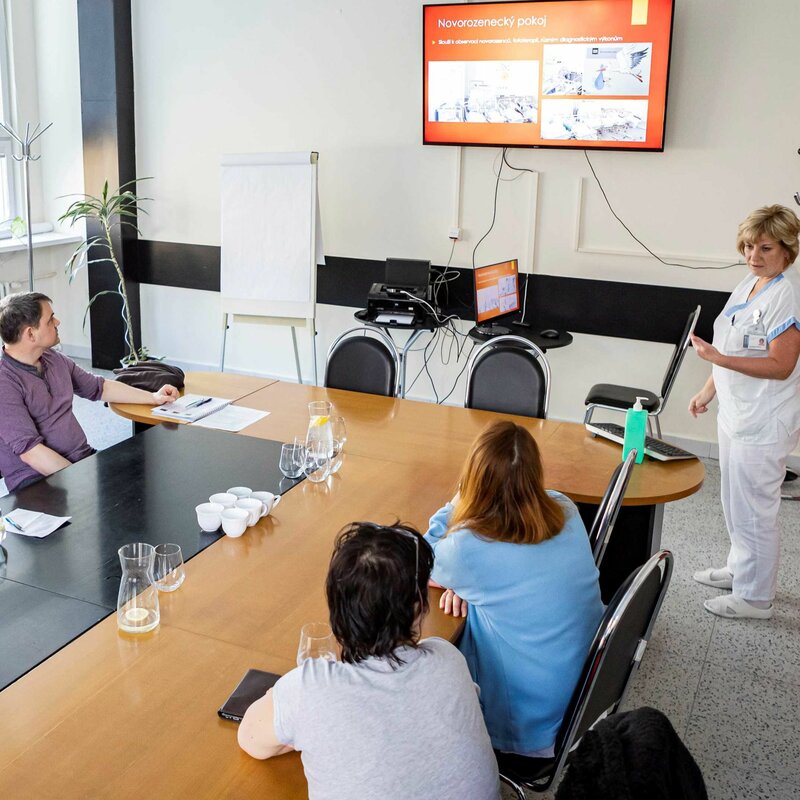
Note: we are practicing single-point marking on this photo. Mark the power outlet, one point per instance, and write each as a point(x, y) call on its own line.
point(455, 233)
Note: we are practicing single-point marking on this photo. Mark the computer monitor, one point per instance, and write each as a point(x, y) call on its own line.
point(407, 273)
point(496, 295)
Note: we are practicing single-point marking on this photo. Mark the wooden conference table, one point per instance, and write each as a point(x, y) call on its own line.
point(111, 715)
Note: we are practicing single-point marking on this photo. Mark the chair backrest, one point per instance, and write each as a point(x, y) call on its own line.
point(677, 356)
point(362, 364)
point(609, 507)
point(615, 652)
point(508, 374)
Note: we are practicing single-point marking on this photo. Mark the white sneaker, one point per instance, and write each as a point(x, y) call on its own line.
point(731, 607)
point(719, 577)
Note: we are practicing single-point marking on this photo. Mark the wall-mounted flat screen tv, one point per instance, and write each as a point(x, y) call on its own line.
point(547, 73)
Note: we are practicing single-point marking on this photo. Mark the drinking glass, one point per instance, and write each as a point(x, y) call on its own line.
point(317, 466)
point(337, 455)
point(168, 571)
point(316, 641)
point(137, 602)
point(338, 429)
point(293, 459)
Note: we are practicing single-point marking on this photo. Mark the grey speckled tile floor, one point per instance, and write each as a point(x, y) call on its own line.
point(730, 688)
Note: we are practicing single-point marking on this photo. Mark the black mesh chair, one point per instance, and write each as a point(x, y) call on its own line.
point(510, 375)
point(613, 659)
point(363, 360)
point(609, 507)
point(621, 398)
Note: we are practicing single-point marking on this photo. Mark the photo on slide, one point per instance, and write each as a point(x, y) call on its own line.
point(609, 69)
point(595, 120)
point(483, 91)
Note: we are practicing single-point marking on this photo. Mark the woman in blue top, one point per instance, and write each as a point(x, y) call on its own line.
point(520, 556)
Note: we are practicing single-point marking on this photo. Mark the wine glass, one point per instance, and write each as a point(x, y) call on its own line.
point(337, 456)
point(316, 641)
point(317, 465)
point(339, 429)
point(339, 437)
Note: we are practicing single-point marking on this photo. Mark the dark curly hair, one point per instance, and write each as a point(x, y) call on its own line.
point(373, 598)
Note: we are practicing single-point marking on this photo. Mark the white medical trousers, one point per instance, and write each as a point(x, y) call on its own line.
point(751, 497)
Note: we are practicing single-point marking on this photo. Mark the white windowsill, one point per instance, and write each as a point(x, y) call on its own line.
point(51, 239)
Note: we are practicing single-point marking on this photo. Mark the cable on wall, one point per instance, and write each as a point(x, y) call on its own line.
point(639, 241)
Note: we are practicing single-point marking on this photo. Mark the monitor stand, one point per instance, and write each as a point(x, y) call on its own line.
point(492, 329)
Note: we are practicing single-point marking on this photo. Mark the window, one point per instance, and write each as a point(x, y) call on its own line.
point(8, 199)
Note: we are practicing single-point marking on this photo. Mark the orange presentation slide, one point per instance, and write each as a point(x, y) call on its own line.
point(496, 290)
point(570, 73)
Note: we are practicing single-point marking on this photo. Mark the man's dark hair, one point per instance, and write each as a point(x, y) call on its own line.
point(373, 598)
point(19, 311)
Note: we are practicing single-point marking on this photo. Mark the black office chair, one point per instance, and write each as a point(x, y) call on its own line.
point(613, 659)
point(621, 398)
point(508, 374)
point(609, 507)
point(362, 364)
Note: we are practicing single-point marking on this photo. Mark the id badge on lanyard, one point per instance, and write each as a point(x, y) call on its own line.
point(754, 334)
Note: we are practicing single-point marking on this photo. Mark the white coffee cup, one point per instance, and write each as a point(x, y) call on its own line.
point(254, 508)
point(225, 499)
point(240, 491)
point(208, 516)
point(234, 521)
point(268, 499)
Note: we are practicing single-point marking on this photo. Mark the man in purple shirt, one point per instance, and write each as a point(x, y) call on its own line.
point(39, 434)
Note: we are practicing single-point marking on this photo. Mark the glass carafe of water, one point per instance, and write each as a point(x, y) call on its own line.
point(137, 603)
point(319, 425)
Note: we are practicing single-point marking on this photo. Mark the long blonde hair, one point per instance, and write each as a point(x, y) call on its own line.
point(501, 489)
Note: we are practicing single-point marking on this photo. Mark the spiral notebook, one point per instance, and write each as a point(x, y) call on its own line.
point(191, 407)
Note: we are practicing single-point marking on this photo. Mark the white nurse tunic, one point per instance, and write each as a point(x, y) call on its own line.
point(758, 427)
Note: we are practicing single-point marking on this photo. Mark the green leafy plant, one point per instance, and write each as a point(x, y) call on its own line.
point(16, 225)
point(110, 211)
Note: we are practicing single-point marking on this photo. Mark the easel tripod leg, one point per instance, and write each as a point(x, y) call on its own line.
point(296, 356)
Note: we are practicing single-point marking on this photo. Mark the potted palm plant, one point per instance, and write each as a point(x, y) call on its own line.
point(108, 211)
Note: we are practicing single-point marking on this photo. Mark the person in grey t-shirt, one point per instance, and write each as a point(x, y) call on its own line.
point(396, 717)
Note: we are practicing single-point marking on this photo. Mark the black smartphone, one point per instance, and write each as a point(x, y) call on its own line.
point(252, 687)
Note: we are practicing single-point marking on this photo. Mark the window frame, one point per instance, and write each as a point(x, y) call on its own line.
point(10, 205)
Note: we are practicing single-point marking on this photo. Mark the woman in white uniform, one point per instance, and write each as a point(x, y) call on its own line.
point(755, 376)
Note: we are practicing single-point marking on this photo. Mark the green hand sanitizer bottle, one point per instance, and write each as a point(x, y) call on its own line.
point(635, 430)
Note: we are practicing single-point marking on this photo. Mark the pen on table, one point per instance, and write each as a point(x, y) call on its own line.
point(200, 402)
point(12, 523)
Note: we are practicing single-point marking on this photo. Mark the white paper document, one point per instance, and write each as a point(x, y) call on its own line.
point(190, 407)
point(231, 418)
point(32, 523)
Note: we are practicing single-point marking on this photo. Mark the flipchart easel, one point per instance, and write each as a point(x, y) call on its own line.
point(271, 243)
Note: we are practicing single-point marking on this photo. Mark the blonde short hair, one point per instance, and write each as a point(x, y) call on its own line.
point(775, 222)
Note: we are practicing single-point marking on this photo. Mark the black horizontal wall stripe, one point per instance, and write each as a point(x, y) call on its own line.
point(605, 308)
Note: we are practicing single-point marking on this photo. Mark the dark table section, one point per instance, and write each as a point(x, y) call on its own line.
point(144, 489)
point(34, 624)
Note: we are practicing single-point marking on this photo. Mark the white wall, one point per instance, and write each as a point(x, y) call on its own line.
point(345, 79)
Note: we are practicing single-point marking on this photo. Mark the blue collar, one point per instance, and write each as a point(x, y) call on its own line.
point(735, 309)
